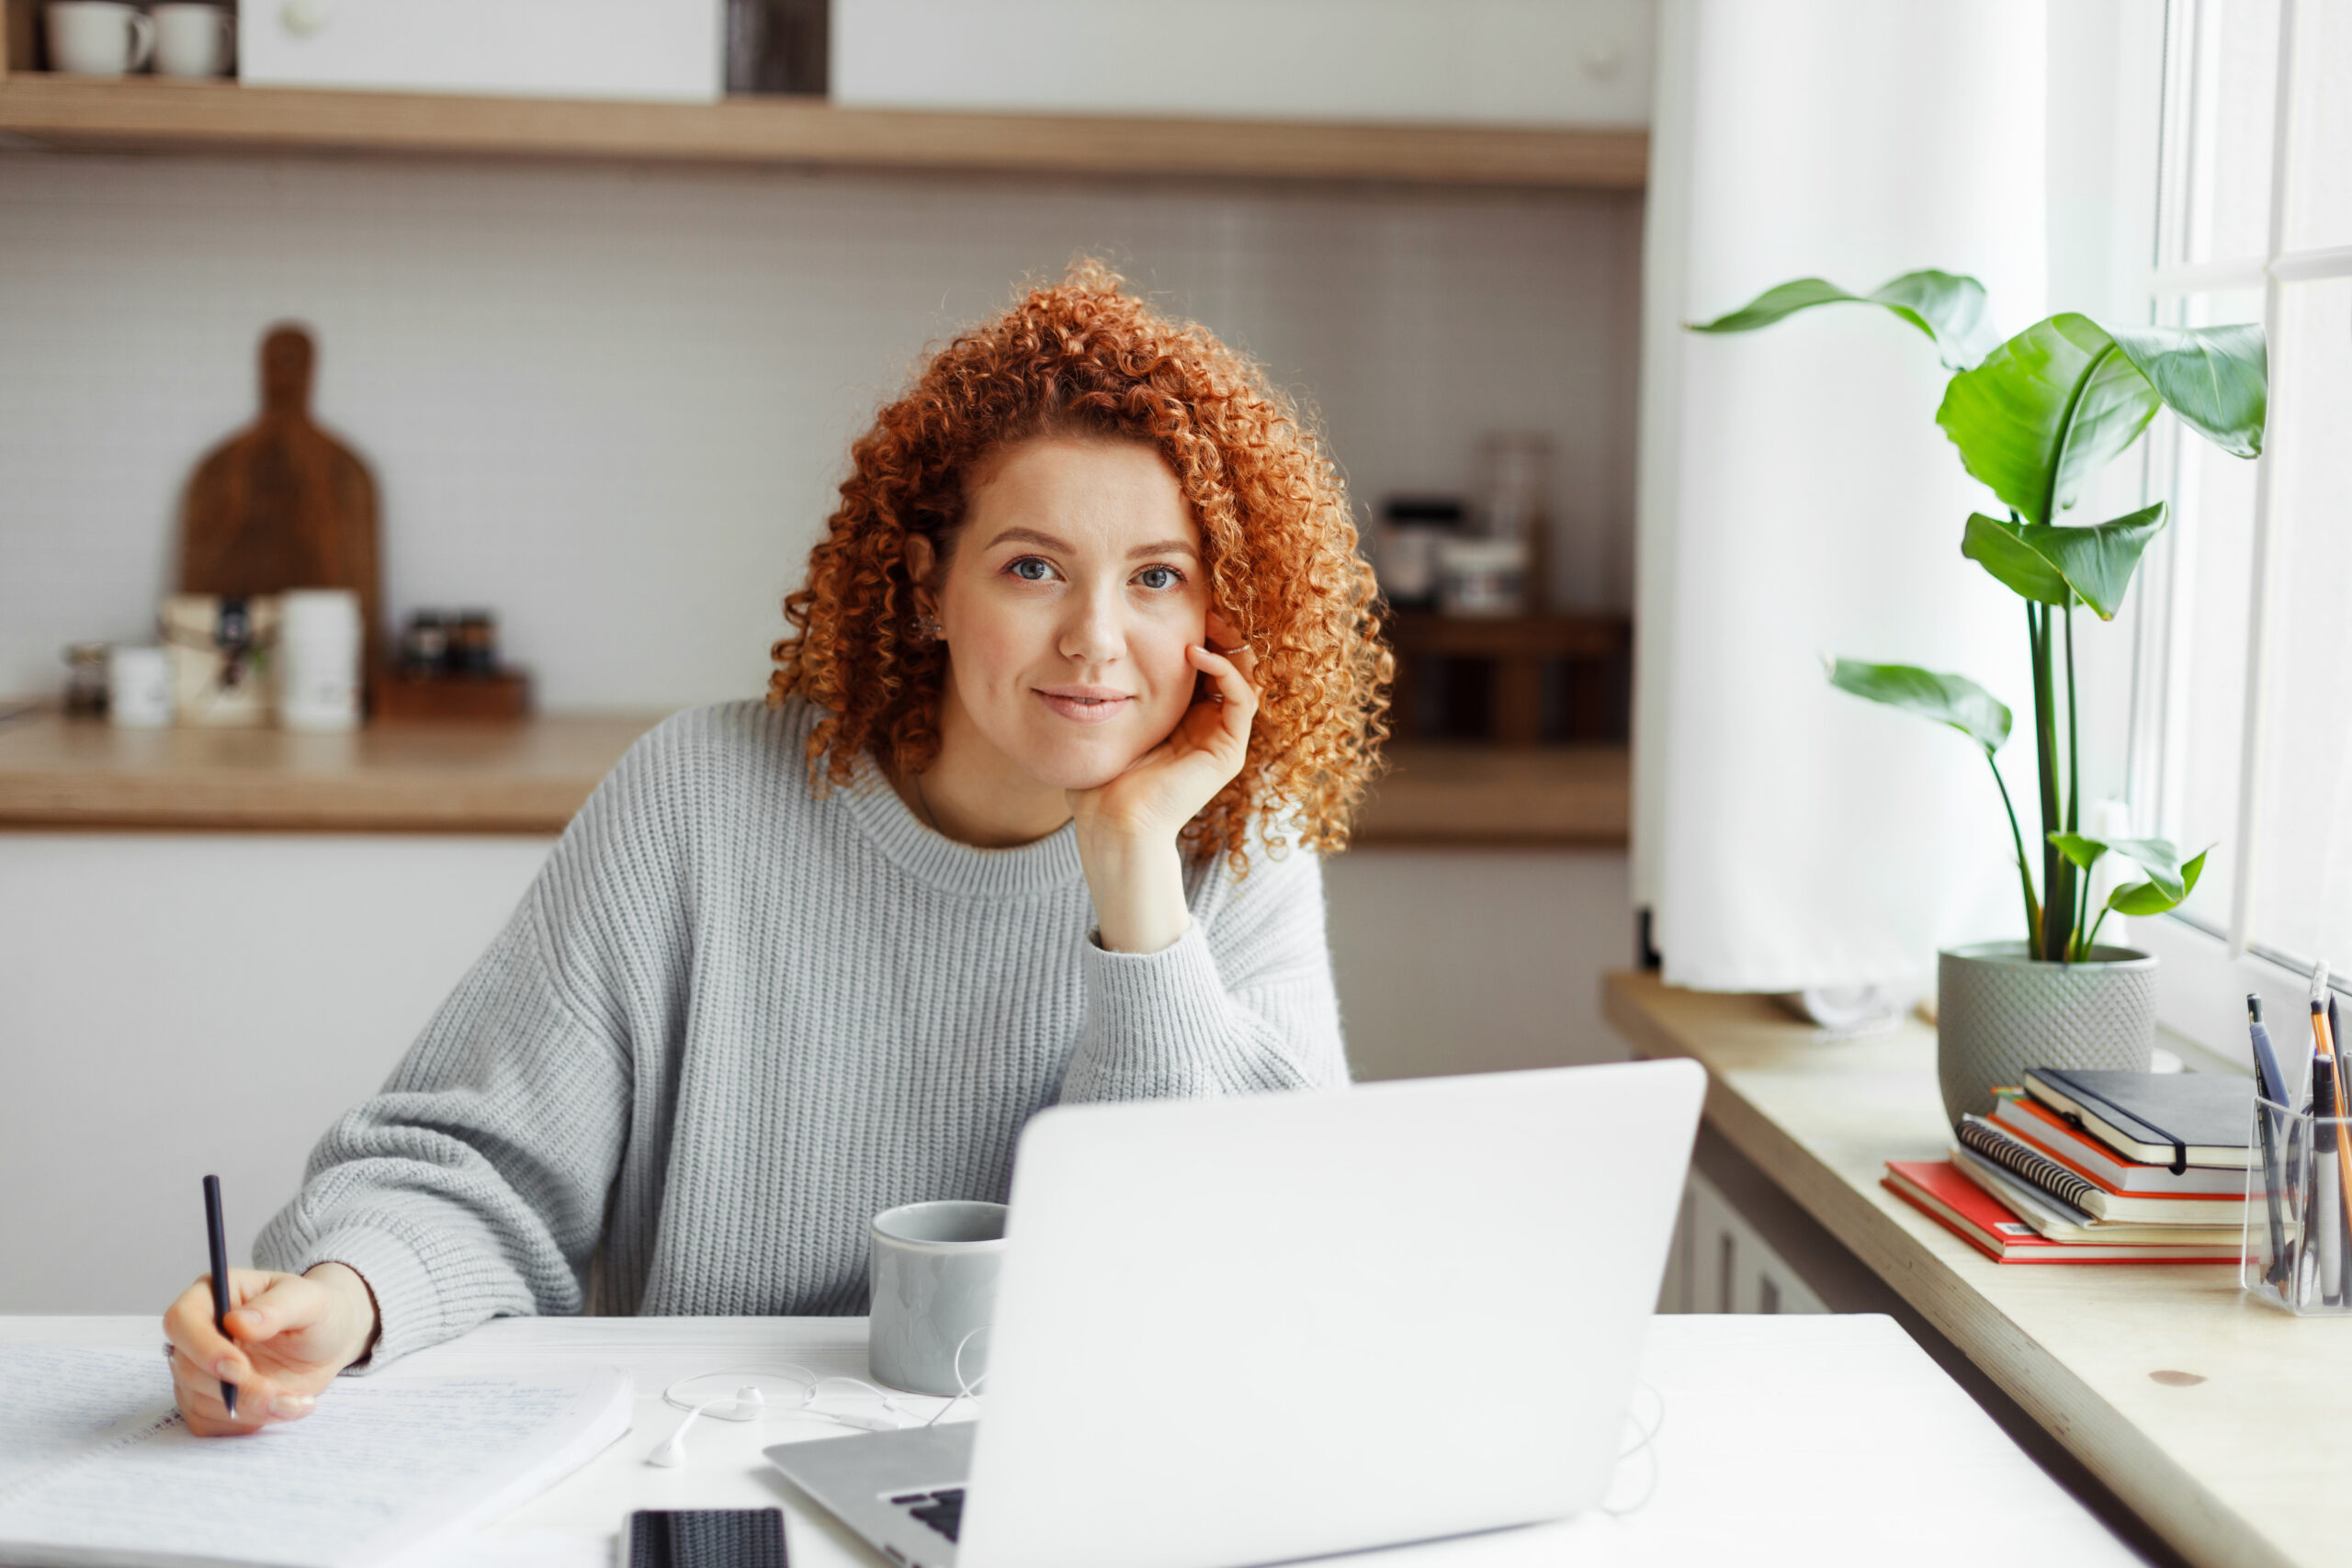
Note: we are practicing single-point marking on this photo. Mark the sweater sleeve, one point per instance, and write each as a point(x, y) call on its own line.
point(1243, 1001)
point(474, 1185)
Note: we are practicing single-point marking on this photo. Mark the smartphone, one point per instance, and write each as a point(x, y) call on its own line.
point(706, 1538)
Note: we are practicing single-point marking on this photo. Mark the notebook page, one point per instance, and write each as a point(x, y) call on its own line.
point(378, 1469)
point(55, 1400)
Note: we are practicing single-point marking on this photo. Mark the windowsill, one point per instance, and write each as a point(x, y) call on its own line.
point(2222, 1467)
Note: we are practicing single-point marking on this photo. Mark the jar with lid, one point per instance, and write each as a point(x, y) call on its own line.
point(1412, 530)
point(1514, 490)
point(1483, 578)
point(85, 680)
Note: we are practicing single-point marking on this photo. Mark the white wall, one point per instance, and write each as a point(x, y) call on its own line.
point(172, 1005)
point(613, 404)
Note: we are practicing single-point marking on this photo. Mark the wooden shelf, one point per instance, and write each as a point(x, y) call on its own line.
point(2214, 1419)
point(530, 777)
point(147, 113)
point(1467, 797)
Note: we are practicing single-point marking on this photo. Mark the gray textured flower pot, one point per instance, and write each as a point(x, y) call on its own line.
point(2000, 1013)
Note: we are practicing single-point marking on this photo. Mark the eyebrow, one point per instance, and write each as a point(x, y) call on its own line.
point(1032, 537)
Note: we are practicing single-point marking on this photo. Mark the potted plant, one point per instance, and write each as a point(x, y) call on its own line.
point(2035, 419)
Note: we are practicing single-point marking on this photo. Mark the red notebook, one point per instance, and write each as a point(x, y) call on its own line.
point(1971, 1213)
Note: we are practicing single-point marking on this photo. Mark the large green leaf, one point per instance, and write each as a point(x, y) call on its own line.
point(2097, 562)
point(2216, 378)
point(2045, 412)
point(2157, 894)
point(1948, 307)
point(1947, 699)
point(2059, 565)
point(2001, 549)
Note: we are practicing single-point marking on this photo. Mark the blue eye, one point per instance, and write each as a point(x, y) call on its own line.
point(1159, 577)
point(1029, 568)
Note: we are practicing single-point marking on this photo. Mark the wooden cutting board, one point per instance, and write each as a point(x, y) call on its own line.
point(283, 505)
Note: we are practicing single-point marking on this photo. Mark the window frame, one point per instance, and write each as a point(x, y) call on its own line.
point(2208, 972)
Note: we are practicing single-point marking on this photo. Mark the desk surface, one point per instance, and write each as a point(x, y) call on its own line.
point(530, 777)
point(2223, 1423)
point(1830, 1440)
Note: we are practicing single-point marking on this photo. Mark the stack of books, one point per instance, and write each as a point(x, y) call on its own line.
point(2095, 1167)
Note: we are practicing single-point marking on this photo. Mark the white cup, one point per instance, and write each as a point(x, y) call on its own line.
point(98, 38)
point(319, 649)
point(193, 41)
point(139, 687)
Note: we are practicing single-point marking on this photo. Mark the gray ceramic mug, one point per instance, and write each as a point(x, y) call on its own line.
point(932, 1278)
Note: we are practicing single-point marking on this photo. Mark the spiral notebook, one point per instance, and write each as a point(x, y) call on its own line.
point(98, 1469)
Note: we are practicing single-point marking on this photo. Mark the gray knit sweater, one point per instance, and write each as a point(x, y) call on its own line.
point(733, 1020)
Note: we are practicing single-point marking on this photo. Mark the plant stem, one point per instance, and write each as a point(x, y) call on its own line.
point(2057, 888)
point(2025, 872)
point(2082, 911)
point(2093, 940)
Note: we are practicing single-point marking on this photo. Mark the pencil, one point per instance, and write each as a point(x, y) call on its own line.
point(219, 1240)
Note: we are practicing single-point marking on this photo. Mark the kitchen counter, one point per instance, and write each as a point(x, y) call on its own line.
point(57, 773)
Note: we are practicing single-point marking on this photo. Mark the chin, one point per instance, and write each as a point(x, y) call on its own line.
point(1082, 762)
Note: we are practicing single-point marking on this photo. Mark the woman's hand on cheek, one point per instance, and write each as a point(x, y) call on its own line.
point(1166, 787)
point(1128, 827)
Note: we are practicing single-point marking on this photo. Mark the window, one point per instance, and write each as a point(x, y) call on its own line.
point(2242, 734)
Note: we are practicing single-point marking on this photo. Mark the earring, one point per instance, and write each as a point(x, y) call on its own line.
point(928, 629)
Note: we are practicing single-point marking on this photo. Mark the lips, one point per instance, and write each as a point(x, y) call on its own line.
point(1084, 704)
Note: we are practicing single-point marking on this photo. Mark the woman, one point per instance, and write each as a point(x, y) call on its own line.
point(1085, 662)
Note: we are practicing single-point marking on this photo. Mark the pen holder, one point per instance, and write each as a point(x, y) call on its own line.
point(2298, 1222)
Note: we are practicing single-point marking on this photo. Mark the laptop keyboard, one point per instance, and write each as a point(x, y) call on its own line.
point(943, 1510)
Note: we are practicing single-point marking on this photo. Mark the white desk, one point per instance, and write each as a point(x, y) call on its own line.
point(1826, 1440)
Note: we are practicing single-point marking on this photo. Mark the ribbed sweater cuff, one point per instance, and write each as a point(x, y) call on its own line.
point(408, 1303)
point(1161, 1024)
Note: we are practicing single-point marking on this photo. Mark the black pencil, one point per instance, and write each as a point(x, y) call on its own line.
point(219, 1240)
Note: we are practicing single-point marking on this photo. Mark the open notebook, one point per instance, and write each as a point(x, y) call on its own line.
point(96, 1467)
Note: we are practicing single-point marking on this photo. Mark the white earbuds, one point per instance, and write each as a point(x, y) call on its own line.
point(747, 1404)
point(744, 1405)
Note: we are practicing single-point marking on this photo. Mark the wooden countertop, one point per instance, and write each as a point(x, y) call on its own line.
point(2240, 1461)
point(530, 778)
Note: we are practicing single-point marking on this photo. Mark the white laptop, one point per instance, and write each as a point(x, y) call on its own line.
point(1248, 1330)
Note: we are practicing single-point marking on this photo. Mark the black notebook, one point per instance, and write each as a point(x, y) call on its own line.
point(2169, 1119)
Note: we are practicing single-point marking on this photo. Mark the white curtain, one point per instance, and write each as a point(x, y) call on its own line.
point(1797, 499)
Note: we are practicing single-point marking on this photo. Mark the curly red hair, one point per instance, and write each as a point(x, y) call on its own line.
point(1085, 358)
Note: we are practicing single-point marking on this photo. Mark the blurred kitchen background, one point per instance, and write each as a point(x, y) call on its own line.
point(596, 324)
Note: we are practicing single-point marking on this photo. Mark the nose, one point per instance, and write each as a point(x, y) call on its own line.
point(1091, 631)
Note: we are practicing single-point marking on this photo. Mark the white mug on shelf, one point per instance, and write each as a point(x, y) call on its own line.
point(193, 40)
point(320, 646)
point(139, 687)
point(98, 38)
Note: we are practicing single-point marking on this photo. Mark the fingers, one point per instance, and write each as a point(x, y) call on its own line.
point(1230, 684)
point(259, 1404)
point(1220, 637)
point(271, 1304)
point(188, 1324)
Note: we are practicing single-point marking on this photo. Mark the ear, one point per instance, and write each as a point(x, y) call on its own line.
point(923, 560)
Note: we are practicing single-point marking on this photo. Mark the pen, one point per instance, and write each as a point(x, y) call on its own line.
point(2343, 1107)
point(2273, 1088)
point(219, 1241)
point(2328, 1142)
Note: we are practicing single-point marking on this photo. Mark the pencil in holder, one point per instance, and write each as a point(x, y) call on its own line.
point(2299, 1211)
